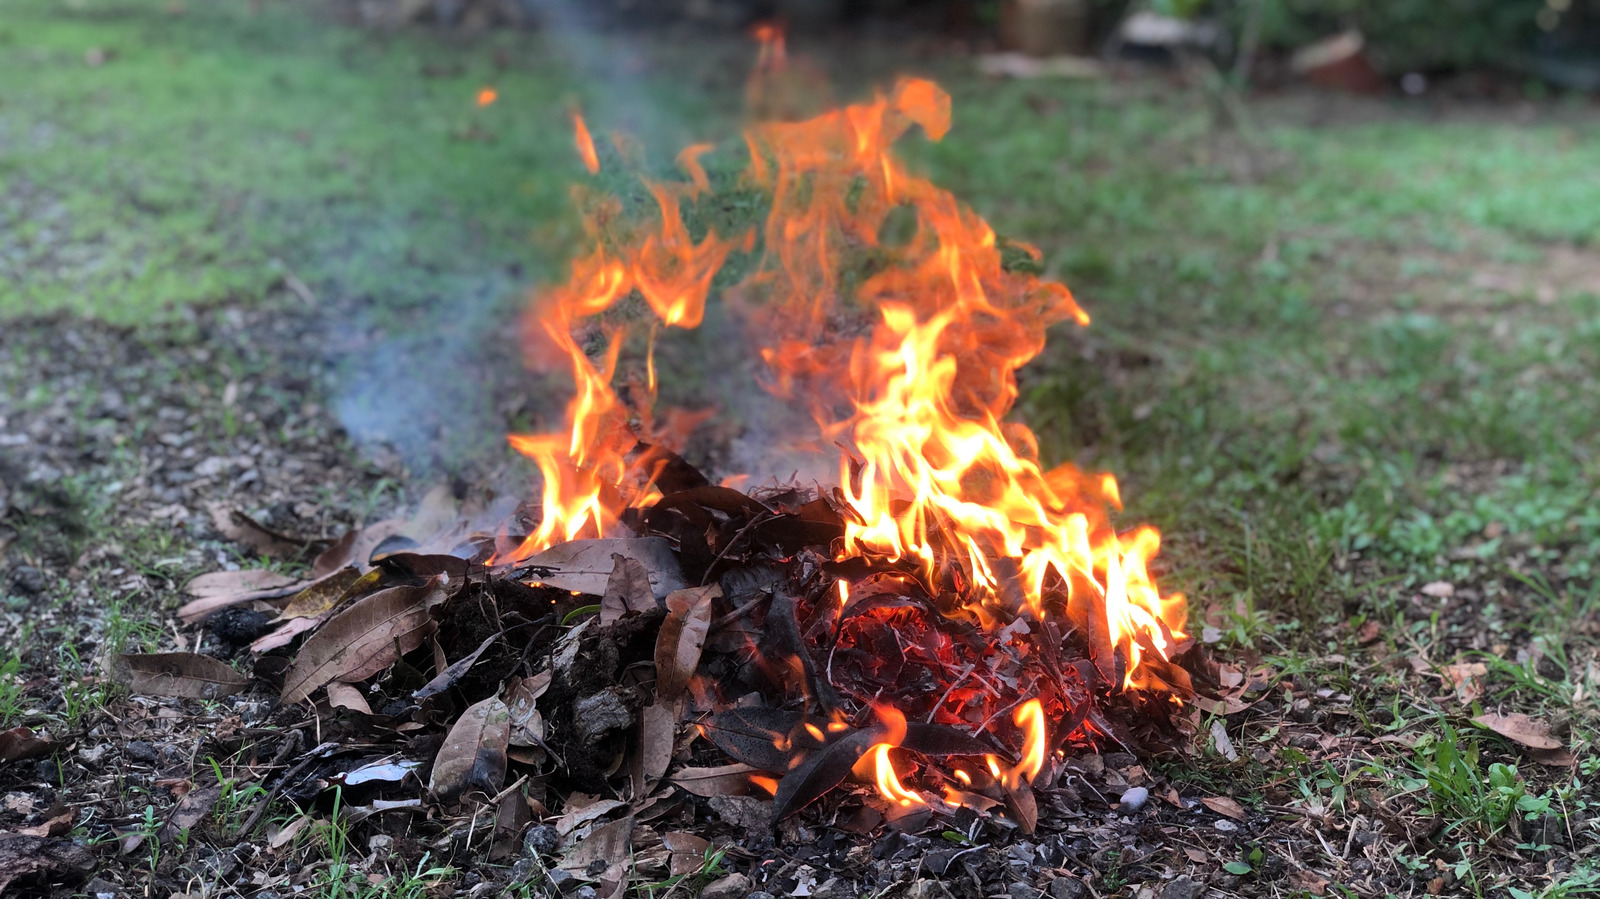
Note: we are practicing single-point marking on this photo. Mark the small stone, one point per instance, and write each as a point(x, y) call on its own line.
point(541, 840)
point(562, 879)
point(733, 886)
point(381, 844)
point(140, 750)
point(760, 894)
point(1133, 799)
point(1021, 891)
point(1119, 760)
point(27, 580)
point(749, 812)
point(586, 892)
point(1225, 826)
point(1067, 888)
point(1184, 887)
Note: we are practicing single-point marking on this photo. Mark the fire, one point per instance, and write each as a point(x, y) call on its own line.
point(487, 96)
point(933, 473)
point(585, 144)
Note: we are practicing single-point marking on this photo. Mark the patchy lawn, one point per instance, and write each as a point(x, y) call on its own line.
point(1344, 354)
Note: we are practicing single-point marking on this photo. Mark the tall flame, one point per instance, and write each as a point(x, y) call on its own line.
point(904, 350)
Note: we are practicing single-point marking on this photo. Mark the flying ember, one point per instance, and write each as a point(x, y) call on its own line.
point(898, 320)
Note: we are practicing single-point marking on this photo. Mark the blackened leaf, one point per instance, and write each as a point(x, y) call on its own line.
point(474, 753)
point(447, 678)
point(1022, 807)
point(683, 638)
point(939, 741)
point(366, 637)
point(184, 674)
point(769, 739)
point(822, 772)
point(585, 566)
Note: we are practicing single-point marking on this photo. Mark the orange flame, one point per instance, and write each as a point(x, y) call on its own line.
point(1030, 717)
point(585, 144)
point(888, 782)
point(487, 95)
point(933, 474)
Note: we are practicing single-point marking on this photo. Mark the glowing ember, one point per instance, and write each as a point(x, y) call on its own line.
point(487, 96)
point(585, 144)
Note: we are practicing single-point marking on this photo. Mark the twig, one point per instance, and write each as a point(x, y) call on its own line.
point(951, 689)
point(272, 794)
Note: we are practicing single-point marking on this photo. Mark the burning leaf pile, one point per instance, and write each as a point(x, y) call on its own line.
point(927, 641)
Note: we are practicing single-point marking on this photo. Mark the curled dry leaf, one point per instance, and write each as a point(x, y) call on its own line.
point(474, 753)
point(522, 704)
point(284, 634)
point(246, 531)
point(688, 852)
point(1226, 807)
point(21, 744)
point(344, 696)
point(221, 589)
point(585, 566)
point(363, 639)
point(683, 638)
point(722, 780)
point(1519, 728)
point(627, 590)
point(183, 674)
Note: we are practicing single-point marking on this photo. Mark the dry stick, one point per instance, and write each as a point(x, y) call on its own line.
point(261, 808)
point(761, 518)
point(951, 689)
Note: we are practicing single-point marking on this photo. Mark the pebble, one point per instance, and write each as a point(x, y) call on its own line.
point(541, 840)
point(1184, 887)
point(760, 894)
point(1067, 888)
point(1226, 826)
point(1021, 891)
point(733, 886)
point(1133, 799)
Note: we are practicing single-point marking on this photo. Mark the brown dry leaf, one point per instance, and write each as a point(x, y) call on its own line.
point(522, 697)
point(683, 638)
point(323, 595)
point(1555, 758)
point(585, 566)
point(1226, 807)
point(1370, 632)
point(627, 590)
point(1439, 589)
point(688, 852)
point(21, 744)
point(576, 818)
point(190, 811)
point(339, 554)
point(285, 835)
point(59, 861)
point(722, 780)
point(1198, 856)
point(244, 530)
point(608, 843)
point(1219, 738)
point(344, 696)
point(657, 732)
point(366, 637)
point(1465, 678)
point(57, 822)
point(183, 674)
point(474, 753)
point(221, 589)
point(1519, 728)
point(284, 635)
